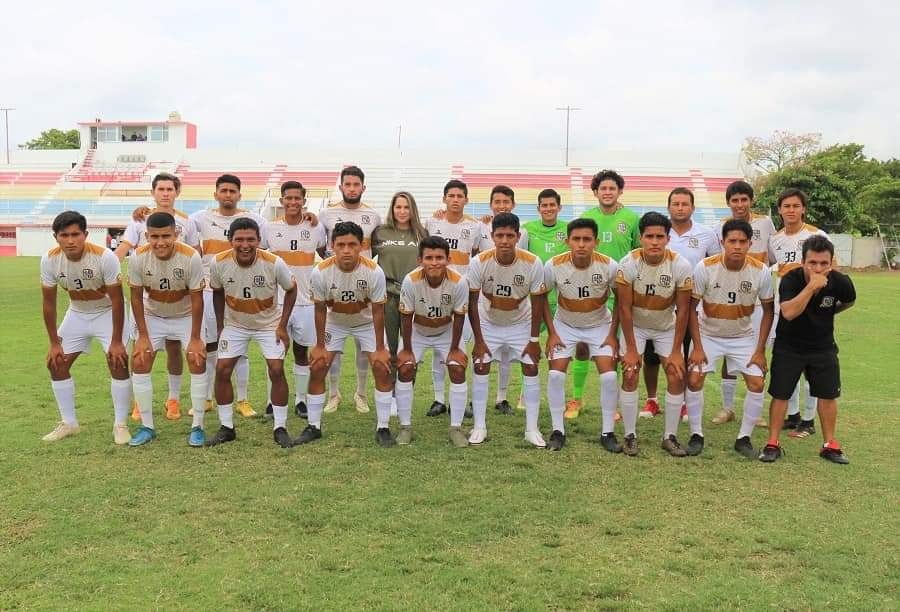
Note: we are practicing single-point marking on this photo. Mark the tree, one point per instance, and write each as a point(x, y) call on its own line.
point(56, 139)
point(779, 150)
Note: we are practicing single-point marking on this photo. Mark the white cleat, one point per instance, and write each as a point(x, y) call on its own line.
point(333, 402)
point(477, 436)
point(535, 438)
point(121, 435)
point(62, 430)
point(362, 404)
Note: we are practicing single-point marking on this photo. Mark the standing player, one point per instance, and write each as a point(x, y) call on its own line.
point(245, 281)
point(811, 296)
point(295, 240)
point(350, 208)
point(507, 318)
point(653, 290)
point(349, 295)
point(166, 279)
point(727, 288)
point(90, 275)
point(583, 279)
point(433, 303)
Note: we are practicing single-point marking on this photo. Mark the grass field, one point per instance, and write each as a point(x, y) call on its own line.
point(344, 524)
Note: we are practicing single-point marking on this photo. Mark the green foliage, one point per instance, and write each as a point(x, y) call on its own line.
point(56, 139)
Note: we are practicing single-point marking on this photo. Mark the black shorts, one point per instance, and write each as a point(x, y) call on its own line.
point(821, 369)
point(652, 359)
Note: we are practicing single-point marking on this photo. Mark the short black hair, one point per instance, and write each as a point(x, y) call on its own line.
point(791, 192)
point(736, 225)
point(607, 175)
point(738, 187)
point(159, 220)
point(67, 218)
point(505, 220)
point(680, 191)
point(434, 242)
point(507, 191)
point(549, 193)
point(243, 223)
point(165, 176)
point(229, 179)
point(654, 219)
point(353, 171)
point(293, 185)
point(581, 223)
point(346, 228)
point(456, 184)
point(817, 243)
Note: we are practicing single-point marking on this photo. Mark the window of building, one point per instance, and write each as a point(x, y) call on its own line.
point(159, 133)
point(108, 134)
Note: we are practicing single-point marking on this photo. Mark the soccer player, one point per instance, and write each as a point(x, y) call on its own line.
point(811, 296)
point(166, 279)
point(295, 240)
point(90, 275)
point(433, 303)
point(653, 290)
point(350, 208)
point(727, 288)
point(507, 318)
point(211, 226)
point(245, 281)
point(348, 291)
point(583, 279)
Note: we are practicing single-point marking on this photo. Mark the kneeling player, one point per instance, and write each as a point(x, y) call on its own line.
point(582, 279)
point(433, 302)
point(727, 288)
point(166, 278)
point(245, 282)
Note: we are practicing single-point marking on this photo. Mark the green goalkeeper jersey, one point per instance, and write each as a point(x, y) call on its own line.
point(617, 235)
point(547, 242)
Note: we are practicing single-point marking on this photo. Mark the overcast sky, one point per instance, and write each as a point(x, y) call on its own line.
point(661, 75)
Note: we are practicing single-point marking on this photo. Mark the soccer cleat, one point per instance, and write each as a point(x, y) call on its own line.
point(142, 436)
point(300, 410)
point(610, 442)
point(362, 404)
point(173, 410)
point(310, 434)
point(282, 437)
point(520, 405)
point(333, 402)
point(535, 439)
point(573, 409)
point(832, 452)
point(225, 434)
point(770, 453)
point(630, 447)
point(135, 412)
point(673, 447)
point(245, 409)
point(744, 447)
point(196, 438)
point(557, 440)
point(804, 429)
point(405, 435)
point(651, 409)
point(62, 430)
point(791, 421)
point(617, 417)
point(436, 409)
point(695, 445)
point(503, 407)
point(684, 416)
point(121, 435)
point(270, 412)
point(477, 436)
point(458, 438)
point(384, 438)
point(761, 422)
point(723, 417)
point(208, 407)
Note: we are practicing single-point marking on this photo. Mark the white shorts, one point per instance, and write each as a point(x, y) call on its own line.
point(79, 328)
point(736, 351)
point(662, 340)
point(210, 335)
point(592, 336)
point(509, 338)
point(302, 325)
point(235, 341)
point(363, 335)
point(160, 330)
point(439, 345)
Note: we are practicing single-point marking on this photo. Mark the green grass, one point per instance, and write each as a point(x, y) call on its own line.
point(343, 524)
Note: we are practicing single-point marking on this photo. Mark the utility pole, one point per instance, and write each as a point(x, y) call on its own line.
point(569, 110)
point(6, 119)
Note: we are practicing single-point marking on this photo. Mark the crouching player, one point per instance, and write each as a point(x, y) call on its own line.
point(245, 282)
point(90, 274)
point(433, 302)
point(166, 279)
point(727, 288)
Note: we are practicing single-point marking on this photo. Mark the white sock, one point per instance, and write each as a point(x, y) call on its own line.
point(383, 408)
point(609, 397)
point(479, 400)
point(174, 386)
point(809, 409)
point(211, 357)
point(531, 393)
point(301, 382)
point(362, 372)
point(404, 394)
point(556, 397)
point(628, 401)
point(694, 402)
point(226, 415)
point(279, 413)
point(794, 401)
point(672, 414)
point(121, 397)
point(334, 375)
point(198, 398)
point(242, 377)
point(315, 404)
point(458, 395)
point(753, 405)
point(503, 378)
point(729, 387)
point(438, 373)
point(64, 392)
point(142, 385)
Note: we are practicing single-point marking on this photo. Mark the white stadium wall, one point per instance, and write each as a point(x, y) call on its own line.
point(35, 240)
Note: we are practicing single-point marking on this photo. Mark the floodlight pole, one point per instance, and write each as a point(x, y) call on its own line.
point(6, 120)
point(569, 110)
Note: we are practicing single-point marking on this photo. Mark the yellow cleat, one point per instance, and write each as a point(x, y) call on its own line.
point(135, 412)
point(723, 417)
point(618, 417)
point(573, 408)
point(121, 435)
point(173, 410)
point(62, 430)
point(245, 409)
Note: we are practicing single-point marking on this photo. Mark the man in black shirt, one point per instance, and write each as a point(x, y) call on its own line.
point(804, 343)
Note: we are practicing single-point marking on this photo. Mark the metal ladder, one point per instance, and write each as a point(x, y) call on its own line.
point(890, 242)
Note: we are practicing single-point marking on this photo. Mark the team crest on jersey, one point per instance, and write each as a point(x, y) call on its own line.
point(746, 286)
point(756, 234)
point(445, 299)
point(279, 235)
point(463, 234)
point(259, 281)
point(365, 219)
point(827, 302)
point(223, 345)
point(693, 243)
point(561, 236)
point(327, 337)
point(304, 234)
point(178, 273)
point(361, 284)
point(518, 280)
point(665, 280)
point(596, 279)
point(621, 227)
point(87, 274)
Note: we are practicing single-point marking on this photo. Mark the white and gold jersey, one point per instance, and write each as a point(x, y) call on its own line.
point(728, 297)
point(363, 215)
point(464, 237)
point(505, 290)
point(786, 250)
point(432, 308)
point(211, 229)
point(654, 287)
point(581, 292)
point(167, 283)
point(250, 291)
point(348, 295)
point(86, 280)
point(763, 230)
point(296, 245)
point(135, 233)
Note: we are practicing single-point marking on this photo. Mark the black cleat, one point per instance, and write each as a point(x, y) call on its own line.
point(503, 407)
point(804, 429)
point(300, 410)
point(610, 442)
point(437, 408)
point(557, 440)
point(791, 421)
point(695, 445)
point(835, 455)
point(310, 434)
point(770, 453)
point(282, 437)
point(744, 447)
point(269, 414)
point(384, 438)
point(225, 434)
point(468, 413)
